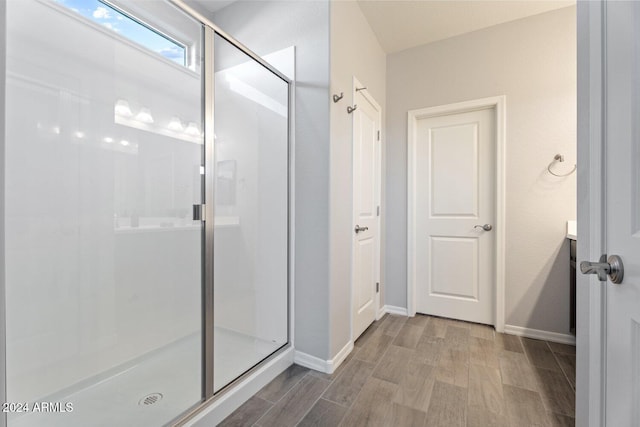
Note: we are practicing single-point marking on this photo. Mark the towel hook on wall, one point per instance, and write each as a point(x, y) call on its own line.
point(337, 98)
point(559, 158)
point(351, 109)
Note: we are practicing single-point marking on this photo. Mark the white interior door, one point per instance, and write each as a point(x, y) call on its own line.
point(366, 205)
point(622, 224)
point(454, 199)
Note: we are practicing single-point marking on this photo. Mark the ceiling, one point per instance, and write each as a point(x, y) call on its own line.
point(211, 6)
point(401, 24)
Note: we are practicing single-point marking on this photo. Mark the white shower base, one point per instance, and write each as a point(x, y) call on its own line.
point(236, 353)
point(173, 371)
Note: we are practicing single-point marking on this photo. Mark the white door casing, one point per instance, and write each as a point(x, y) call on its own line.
point(456, 181)
point(366, 209)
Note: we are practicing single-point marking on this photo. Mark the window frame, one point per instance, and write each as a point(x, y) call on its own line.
point(187, 57)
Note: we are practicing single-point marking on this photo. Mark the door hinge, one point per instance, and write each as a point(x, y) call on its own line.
point(378, 211)
point(377, 287)
point(199, 212)
point(378, 135)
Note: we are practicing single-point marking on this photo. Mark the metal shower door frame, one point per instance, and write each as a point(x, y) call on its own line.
point(210, 30)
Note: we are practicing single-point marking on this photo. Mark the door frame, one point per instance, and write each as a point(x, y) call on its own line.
point(379, 151)
point(3, 335)
point(590, 293)
point(499, 104)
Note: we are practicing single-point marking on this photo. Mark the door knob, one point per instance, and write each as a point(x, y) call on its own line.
point(359, 229)
point(486, 227)
point(611, 266)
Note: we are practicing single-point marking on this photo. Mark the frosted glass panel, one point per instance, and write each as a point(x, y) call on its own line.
point(250, 243)
point(103, 260)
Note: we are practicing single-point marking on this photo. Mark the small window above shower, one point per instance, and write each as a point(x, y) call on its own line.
point(109, 16)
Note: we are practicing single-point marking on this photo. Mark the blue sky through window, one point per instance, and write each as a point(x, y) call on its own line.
point(106, 16)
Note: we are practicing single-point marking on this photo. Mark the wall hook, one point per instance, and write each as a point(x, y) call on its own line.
point(351, 109)
point(337, 98)
point(358, 89)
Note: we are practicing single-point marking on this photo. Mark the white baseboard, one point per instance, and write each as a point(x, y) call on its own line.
point(381, 312)
point(339, 358)
point(317, 364)
point(392, 309)
point(311, 362)
point(540, 335)
point(221, 408)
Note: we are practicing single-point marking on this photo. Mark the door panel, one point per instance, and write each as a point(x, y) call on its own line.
point(622, 146)
point(365, 259)
point(367, 167)
point(366, 190)
point(453, 263)
point(455, 191)
point(454, 165)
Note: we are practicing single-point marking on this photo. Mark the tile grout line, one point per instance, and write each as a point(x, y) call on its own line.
point(255, 424)
point(342, 373)
point(368, 378)
point(504, 413)
point(466, 415)
point(273, 402)
point(319, 397)
point(378, 363)
point(282, 397)
point(308, 373)
point(314, 403)
point(524, 350)
point(564, 374)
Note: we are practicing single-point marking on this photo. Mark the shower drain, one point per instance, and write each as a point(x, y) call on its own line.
point(150, 399)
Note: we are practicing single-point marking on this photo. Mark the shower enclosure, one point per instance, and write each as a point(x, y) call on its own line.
point(146, 212)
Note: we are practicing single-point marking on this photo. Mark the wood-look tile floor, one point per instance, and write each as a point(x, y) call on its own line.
point(425, 371)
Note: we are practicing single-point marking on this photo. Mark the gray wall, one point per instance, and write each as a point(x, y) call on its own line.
point(533, 62)
point(265, 27)
point(355, 51)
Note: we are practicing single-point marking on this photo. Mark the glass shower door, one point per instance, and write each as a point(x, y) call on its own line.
point(103, 260)
point(251, 213)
